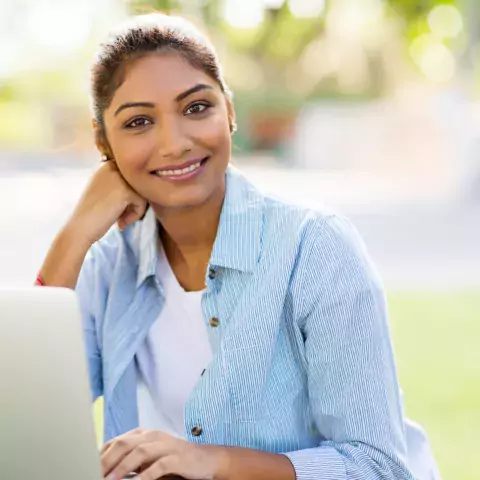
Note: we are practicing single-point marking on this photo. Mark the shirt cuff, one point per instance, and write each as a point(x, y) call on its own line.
point(321, 463)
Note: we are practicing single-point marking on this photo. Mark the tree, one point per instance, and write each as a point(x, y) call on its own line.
point(279, 42)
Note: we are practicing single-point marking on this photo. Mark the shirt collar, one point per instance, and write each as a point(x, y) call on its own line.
point(145, 240)
point(238, 241)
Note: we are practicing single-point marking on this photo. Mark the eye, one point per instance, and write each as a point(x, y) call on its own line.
point(138, 122)
point(197, 108)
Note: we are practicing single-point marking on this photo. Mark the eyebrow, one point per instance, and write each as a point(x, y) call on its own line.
point(178, 98)
point(191, 91)
point(133, 105)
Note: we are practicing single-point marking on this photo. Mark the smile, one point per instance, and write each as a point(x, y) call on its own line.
point(184, 173)
point(170, 173)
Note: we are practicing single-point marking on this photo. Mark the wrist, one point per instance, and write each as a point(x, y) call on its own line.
point(218, 461)
point(223, 463)
point(232, 463)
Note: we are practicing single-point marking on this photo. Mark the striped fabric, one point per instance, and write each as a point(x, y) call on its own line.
point(302, 358)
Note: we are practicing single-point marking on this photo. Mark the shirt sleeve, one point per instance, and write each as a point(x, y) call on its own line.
point(353, 388)
point(421, 461)
point(87, 290)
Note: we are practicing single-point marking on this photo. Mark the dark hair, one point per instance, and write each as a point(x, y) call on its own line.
point(140, 36)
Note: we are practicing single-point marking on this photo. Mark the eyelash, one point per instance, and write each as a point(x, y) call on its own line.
point(129, 124)
point(199, 104)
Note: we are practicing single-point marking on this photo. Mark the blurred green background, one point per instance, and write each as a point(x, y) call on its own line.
point(371, 106)
point(437, 352)
point(277, 55)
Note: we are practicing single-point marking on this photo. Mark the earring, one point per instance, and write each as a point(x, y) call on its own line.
point(233, 128)
point(104, 158)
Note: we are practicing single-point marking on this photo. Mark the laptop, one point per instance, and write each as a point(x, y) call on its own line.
point(46, 422)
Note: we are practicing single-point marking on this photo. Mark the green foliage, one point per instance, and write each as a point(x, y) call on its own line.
point(287, 36)
point(7, 91)
point(411, 10)
point(415, 14)
point(144, 6)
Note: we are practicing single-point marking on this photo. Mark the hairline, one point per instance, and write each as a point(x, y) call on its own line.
point(119, 76)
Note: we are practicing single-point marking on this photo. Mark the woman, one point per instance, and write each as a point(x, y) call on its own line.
point(230, 334)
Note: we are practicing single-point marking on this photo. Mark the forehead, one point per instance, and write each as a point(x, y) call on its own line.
point(158, 77)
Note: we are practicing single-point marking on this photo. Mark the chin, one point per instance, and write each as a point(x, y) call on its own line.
point(181, 200)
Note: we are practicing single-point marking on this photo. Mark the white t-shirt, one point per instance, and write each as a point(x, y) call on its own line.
point(173, 356)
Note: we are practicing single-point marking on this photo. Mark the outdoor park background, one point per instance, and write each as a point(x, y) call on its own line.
point(371, 106)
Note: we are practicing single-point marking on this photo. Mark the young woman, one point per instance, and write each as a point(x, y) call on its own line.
point(231, 335)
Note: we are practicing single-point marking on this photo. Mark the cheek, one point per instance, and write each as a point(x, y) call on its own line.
point(133, 152)
point(212, 133)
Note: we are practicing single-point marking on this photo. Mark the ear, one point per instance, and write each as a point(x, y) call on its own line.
point(231, 115)
point(101, 141)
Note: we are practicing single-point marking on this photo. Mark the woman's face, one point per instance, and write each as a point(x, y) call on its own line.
point(169, 132)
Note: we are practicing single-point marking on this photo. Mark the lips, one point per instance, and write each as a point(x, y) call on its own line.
point(176, 169)
point(182, 171)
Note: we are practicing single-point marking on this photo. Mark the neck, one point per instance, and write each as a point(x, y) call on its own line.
point(189, 233)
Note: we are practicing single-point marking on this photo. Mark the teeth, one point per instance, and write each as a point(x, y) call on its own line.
point(171, 173)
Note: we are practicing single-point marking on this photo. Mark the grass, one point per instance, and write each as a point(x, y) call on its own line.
point(437, 346)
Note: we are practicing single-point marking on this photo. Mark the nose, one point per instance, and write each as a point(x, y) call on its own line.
point(173, 141)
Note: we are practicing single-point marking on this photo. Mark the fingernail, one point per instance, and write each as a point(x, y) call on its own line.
point(112, 476)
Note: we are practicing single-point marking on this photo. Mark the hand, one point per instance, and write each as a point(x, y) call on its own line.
point(107, 199)
point(153, 455)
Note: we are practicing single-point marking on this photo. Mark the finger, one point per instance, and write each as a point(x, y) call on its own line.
point(139, 207)
point(137, 460)
point(132, 213)
point(162, 468)
point(107, 445)
point(127, 218)
point(120, 448)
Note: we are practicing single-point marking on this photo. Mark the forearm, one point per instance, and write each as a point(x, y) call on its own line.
point(64, 260)
point(241, 463)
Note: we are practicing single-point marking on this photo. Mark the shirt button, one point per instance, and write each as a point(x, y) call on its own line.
point(214, 322)
point(197, 431)
point(212, 274)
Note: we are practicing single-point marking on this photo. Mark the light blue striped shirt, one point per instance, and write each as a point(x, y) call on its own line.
point(302, 359)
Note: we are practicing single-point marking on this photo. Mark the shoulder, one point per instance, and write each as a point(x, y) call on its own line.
point(316, 231)
point(328, 258)
point(318, 234)
point(319, 230)
point(321, 239)
point(333, 250)
point(330, 270)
